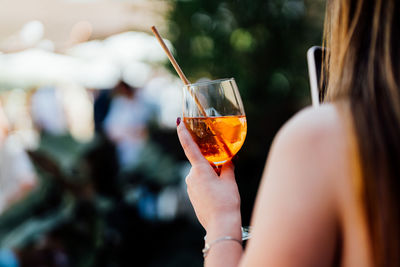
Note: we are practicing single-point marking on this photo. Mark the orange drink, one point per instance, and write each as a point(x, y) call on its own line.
point(219, 138)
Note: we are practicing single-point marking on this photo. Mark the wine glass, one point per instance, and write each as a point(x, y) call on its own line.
point(214, 115)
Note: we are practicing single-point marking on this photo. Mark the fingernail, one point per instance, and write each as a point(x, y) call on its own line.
point(178, 121)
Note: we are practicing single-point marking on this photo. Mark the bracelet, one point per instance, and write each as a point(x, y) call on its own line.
point(207, 246)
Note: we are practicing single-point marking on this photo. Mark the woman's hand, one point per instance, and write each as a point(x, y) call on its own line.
point(215, 199)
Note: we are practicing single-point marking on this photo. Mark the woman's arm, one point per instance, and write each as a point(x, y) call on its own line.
point(216, 202)
point(295, 220)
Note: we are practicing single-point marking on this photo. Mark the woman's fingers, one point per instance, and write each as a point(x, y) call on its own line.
point(197, 159)
point(190, 148)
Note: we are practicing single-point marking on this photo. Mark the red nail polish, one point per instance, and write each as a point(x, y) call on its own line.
point(178, 121)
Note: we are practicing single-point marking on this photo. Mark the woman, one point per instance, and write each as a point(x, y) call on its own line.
point(330, 188)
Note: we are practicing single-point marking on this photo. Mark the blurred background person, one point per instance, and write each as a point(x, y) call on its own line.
point(47, 112)
point(126, 122)
point(17, 177)
point(4, 128)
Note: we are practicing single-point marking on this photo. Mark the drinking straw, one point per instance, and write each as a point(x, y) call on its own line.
point(177, 68)
point(186, 82)
point(170, 56)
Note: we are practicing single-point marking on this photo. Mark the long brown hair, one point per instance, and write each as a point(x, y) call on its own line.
point(362, 63)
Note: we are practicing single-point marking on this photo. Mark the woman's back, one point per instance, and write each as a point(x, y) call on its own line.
point(311, 213)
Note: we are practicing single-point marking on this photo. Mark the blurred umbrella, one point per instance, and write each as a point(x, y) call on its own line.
point(122, 49)
point(131, 52)
point(35, 67)
point(99, 73)
point(94, 64)
point(129, 46)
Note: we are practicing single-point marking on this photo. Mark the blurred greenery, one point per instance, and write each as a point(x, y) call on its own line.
point(263, 45)
point(86, 212)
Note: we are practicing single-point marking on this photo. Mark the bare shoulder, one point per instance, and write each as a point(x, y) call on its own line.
point(316, 125)
point(296, 211)
point(312, 148)
point(315, 136)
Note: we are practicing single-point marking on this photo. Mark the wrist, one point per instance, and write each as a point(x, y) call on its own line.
point(207, 246)
point(229, 225)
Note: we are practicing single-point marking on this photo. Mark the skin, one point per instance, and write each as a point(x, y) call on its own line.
point(308, 209)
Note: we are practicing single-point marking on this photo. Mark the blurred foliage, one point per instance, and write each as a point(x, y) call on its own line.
point(87, 212)
point(263, 45)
